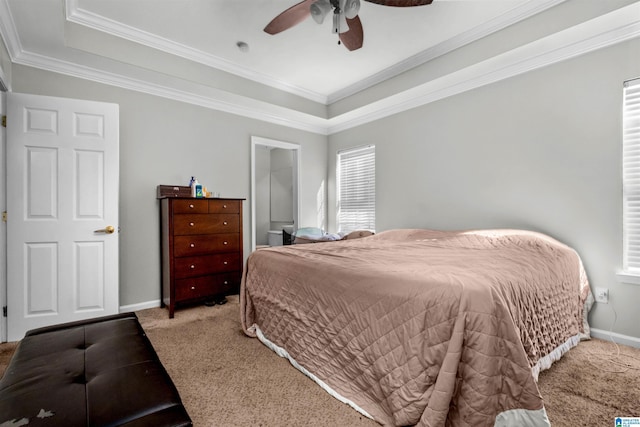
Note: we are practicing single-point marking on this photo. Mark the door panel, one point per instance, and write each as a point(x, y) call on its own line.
point(41, 183)
point(89, 193)
point(41, 261)
point(89, 260)
point(62, 173)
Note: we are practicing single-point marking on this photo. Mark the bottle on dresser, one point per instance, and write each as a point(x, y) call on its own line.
point(196, 188)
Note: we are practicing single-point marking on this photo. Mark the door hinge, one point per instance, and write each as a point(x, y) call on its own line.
point(4, 311)
point(4, 121)
point(4, 216)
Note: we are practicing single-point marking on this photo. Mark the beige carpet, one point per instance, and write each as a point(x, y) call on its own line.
point(228, 379)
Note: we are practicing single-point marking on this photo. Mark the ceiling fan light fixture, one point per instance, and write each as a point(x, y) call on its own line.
point(351, 8)
point(346, 22)
point(339, 23)
point(319, 10)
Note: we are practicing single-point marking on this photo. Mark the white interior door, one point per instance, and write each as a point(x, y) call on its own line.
point(62, 206)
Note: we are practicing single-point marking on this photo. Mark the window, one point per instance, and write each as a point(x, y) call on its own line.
point(356, 176)
point(631, 176)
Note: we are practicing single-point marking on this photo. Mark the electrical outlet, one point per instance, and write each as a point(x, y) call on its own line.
point(602, 295)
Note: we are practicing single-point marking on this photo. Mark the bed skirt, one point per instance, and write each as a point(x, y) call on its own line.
point(515, 417)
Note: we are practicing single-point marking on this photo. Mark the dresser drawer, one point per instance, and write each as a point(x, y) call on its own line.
point(206, 264)
point(190, 206)
point(205, 244)
point(203, 286)
point(205, 224)
point(224, 206)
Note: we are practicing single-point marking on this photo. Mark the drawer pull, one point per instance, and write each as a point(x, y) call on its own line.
point(193, 288)
point(225, 243)
point(225, 262)
point(191, 206)
point(224, 206)
point(225, 223)
point(226, 282)
point(191, 224)
point(192, 245)
point(192, 266)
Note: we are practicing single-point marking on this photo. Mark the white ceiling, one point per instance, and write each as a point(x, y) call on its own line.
point(305, 58)
point(131, 43)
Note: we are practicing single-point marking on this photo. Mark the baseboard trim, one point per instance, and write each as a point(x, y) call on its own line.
point(618, 338)
point(140, 306)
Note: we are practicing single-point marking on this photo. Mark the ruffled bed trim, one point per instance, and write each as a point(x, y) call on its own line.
point(523, 417)
point(283, 353)
point(546, 361)
point(520, 417)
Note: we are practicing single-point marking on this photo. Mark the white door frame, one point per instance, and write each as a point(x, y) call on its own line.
point(3, 225)
point(257, 140)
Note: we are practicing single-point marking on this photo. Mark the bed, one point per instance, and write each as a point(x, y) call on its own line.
point(423, 327)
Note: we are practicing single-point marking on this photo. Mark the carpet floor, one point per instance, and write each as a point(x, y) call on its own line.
point(228, 379)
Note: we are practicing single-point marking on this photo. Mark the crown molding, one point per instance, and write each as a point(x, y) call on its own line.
point(489, 27)
point(8, 30)
point(96, 22)
point(84, 17)
point(615, 27)
point(606, 30)
point(183, 91)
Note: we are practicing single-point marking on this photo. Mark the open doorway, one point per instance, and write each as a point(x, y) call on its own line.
point(275, 171)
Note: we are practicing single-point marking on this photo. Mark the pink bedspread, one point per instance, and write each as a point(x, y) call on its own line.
point(419, 326)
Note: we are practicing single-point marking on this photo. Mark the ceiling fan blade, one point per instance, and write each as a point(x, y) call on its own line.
point(401, 3)
point(353, 38)
point(290, 17)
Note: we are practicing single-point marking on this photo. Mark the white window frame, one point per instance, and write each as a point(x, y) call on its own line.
point(631, 182)
point(356, 189)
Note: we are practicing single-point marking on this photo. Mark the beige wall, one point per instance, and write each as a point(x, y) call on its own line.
point(540, 151)
point(165, 142)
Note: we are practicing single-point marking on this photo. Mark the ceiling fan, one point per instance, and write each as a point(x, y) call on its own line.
point(346, 22)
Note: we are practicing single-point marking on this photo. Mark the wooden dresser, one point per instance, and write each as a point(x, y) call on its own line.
point(201, 249)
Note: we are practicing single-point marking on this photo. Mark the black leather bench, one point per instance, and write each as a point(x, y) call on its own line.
point(100, 372)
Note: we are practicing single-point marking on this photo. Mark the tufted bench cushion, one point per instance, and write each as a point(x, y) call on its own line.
point(99, 372)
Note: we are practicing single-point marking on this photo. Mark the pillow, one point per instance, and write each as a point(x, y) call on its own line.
point(358, 234)
point(310, 232)
point(307, 235)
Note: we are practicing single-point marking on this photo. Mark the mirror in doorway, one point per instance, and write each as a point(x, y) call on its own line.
point(275, 166)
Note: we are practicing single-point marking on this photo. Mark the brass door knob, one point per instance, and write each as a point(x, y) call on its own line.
point(109, 229)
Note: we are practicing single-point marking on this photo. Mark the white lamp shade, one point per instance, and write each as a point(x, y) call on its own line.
point(351, 8)
point(319, 10)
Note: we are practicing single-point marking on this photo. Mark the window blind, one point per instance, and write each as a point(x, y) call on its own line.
point(631, 175)
point(356, 189)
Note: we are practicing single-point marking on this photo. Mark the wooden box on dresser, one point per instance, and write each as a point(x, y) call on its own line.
point(201, 249)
